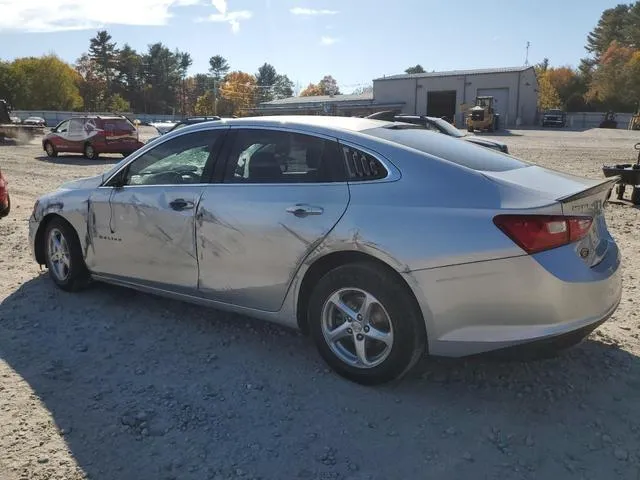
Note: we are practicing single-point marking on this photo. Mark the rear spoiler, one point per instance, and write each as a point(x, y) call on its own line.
point(598, 188)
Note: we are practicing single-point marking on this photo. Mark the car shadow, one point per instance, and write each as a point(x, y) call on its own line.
point(142, 387)
point(80, 160)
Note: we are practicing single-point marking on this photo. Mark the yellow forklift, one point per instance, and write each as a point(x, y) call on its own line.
point(482, 116)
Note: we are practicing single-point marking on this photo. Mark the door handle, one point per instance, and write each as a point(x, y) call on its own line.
point(301, 210)
point(180, 204)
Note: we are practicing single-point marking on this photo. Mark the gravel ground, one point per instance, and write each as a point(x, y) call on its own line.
point(115, 384)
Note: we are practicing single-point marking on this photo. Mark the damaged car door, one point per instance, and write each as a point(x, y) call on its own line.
point(282, 193)
point(142, 223)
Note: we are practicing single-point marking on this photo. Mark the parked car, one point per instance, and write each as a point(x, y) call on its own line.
point(442, 126)
point(184, 123)
point(39, 121)
point(554, 117)
point(15, 119)
point(347, 229)
point(5, 201)
point(91, 136)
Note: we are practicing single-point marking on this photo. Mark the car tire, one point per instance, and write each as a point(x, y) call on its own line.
point(90, 152)
point(50, 150)
point(390, 335)
point(5, 212)
point(63, 256)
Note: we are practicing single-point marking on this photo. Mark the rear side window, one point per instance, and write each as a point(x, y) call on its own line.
point(271, 156)
point(117, 124)
point(361, 166)
point(451, 149)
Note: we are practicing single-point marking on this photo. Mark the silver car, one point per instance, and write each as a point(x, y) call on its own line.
point(384, 241)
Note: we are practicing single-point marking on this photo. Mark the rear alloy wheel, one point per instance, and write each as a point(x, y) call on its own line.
point(365, 325)
point(50, 149)
point(90, 152)
point(63, 256)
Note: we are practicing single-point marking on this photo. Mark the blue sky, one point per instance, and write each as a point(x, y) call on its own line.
point(353, 40)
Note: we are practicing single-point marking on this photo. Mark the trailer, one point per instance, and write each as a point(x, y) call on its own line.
point(629, 175)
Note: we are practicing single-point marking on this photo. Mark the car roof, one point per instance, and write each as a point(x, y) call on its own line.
point(318, 122)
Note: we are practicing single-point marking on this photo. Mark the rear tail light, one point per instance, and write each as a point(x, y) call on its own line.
point(536, 233)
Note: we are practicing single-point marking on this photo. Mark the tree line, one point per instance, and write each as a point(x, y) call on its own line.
point(608, 78)
point(120, 79)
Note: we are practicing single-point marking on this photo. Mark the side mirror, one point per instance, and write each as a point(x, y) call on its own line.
point(119, 180)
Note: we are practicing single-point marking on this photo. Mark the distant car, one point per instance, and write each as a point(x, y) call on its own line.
point(91, 136)
point(184, 123)
point(5, 201)
point(15, 119)
point(554, 117)
point(442, 126)
point(39, 121)
point(347, 229)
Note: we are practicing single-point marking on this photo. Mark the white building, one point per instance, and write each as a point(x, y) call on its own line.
point(445, 94)
point(436, 94)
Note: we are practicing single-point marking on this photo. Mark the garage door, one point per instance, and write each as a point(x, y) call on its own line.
point(500, 101)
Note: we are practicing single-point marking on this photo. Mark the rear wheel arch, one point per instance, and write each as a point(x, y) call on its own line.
point(327, 263)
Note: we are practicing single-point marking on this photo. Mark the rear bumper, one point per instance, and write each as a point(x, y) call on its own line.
point(485, 306)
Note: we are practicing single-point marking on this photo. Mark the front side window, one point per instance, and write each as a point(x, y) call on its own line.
point(181, 160)
point(63, 127)
point(271, 156)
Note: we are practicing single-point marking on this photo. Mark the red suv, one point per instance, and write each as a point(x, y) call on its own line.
point(92, 136)
point(5, 202)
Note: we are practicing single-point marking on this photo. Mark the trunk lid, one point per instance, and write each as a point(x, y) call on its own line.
point(576, 196)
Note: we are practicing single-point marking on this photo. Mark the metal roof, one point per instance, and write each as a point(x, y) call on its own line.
point(363, 97)
point(454, 73)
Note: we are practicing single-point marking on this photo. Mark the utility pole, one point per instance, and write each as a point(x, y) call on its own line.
point(526, 59)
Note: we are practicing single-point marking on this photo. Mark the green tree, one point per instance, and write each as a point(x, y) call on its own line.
point(612, 26)
point(283, 88)
point(117, 104)
point(265, 81)
point(218, 67)
point(129, 76)
point(104, 53)
point(415, 69)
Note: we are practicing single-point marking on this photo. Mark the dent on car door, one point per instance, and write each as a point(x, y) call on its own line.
point(142, 223)
point(282, 194)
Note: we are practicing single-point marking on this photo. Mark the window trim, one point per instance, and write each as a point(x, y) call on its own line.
point(233, 134)
point(216, 148)
point(393, 174)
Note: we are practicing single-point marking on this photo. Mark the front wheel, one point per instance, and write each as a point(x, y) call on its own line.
point(63, 256)
point(90, 152)
point(50, 150)
point(365, 324)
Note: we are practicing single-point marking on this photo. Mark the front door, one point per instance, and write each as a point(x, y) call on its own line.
point(142, 225)
point(60, 137)
point(77, 135)
point(283, 192)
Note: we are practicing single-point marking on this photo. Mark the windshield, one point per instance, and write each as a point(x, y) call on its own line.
point(447, 128)
point(456, 151)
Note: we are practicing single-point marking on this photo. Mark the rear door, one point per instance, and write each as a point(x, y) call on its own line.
point(283, 192)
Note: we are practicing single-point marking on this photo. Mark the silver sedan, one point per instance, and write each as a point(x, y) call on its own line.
point(381, 240)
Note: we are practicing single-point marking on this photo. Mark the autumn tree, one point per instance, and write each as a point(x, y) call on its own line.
point(610, 85)
point(415, 69)
point(611, 27)
point(312, 90)
point(48, 84)
point(237, 93)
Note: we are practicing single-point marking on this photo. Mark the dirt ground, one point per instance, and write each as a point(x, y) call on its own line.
point(113, 384)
